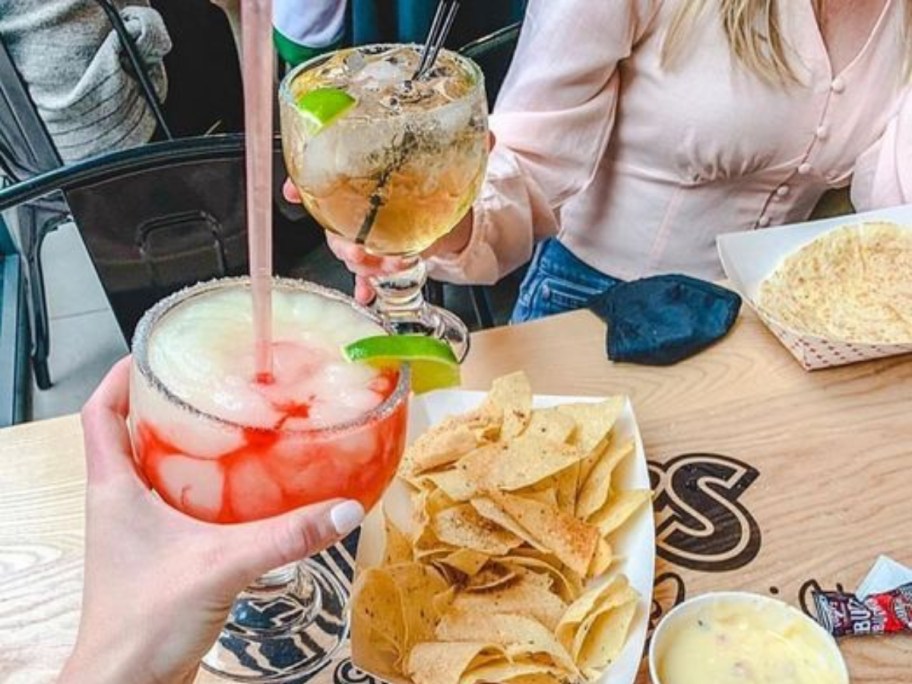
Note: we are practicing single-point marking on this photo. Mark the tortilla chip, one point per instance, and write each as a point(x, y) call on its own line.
point(562, 583)
point(437, 662)
point(398, 547)
point(594, 492)
point(511, 671)
point(571, 540)
point(606, 636)
point(544, 492)
point(594, 422)
point(440, 446)
point(618, 509)
point(378, 627)
point(566, 485)
point(492, 576)
point(512, 394)
point(602, 559)
point(551, 424)
point(526, 596)
point(418, 585)
point(585, 605)
point(495, 513)
point(540, 678)
point(436, 502)
point(610, 602)
point(454, 483)
point(444, 600)
point(519, 463)
point(529, 635)
point(467, 561)
point(463, 527)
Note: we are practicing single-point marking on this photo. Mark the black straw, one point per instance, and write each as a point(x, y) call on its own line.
point(437, 35)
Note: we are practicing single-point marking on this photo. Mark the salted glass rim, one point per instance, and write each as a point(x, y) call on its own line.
point(149, 321)
point(473, 93)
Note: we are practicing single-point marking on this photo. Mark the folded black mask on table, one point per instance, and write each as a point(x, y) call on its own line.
point(663, 319)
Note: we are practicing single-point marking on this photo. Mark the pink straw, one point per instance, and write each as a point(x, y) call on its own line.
point(258, 70)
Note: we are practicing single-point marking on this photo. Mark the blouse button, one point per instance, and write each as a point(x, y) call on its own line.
point(822, 132)
point(764, 221)
point(782, 190)
point(804, 169)
point(838, 85)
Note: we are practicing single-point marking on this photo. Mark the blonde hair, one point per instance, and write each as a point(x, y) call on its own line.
point(754, 35)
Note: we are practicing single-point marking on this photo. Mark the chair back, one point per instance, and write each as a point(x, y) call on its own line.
point(493, 53)
point(160, 225)
point(154, 218)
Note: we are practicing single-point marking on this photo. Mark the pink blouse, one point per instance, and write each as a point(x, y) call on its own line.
point(637, 168)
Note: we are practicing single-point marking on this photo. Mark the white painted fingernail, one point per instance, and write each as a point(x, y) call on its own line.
point(346, 516)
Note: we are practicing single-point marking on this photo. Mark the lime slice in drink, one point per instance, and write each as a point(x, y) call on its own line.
point(433, 364)
point(324, 105)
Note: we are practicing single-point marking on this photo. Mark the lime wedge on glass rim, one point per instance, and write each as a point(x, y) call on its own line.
point(322, 106)
point(432, 362)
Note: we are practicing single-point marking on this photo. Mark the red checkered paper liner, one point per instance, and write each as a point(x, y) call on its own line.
point(815, 352)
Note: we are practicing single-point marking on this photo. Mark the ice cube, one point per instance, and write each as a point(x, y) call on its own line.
point(383, 72)
point(193, 485)
point(254, 494)
point(358, 445)
point(354, 62)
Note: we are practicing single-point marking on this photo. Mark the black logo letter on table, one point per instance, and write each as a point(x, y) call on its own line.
point(700, 524)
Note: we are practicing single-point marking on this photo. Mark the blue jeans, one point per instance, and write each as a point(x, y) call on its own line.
point(556, 282)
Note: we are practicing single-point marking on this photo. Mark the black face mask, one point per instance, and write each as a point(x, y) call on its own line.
point(663, 319)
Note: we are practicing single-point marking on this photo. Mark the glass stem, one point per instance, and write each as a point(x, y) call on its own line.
point(399, 296)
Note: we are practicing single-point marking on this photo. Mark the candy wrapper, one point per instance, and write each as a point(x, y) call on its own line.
point(847, 615)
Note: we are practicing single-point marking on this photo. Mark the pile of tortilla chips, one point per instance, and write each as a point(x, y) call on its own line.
point(514, 509)
point(851, 284)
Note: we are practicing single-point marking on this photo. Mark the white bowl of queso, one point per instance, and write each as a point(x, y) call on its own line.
point(742, 638)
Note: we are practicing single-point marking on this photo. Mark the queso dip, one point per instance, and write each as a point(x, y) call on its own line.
point(736, 641)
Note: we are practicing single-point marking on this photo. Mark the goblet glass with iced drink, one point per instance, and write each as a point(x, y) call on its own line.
point(389, 162)
point(220, 446)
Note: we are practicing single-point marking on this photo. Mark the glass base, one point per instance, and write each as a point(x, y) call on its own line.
point(285, 627)
point(434, 322)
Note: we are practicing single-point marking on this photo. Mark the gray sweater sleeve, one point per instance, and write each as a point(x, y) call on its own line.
point(71, 61)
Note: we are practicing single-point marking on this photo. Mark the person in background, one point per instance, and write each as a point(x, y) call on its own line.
point(307, 28)
point(205, 94)
point(69, 57)
point(630, 134)
point(158, 584)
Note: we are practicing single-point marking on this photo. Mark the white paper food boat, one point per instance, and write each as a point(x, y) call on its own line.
point(634, 545)
point(750, 257)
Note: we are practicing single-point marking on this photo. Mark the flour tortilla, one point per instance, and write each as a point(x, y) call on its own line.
point(851, 284)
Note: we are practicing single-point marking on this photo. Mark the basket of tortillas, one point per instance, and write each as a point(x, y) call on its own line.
point(835, 291)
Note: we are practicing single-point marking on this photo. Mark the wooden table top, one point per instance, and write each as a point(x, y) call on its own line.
point(768, 478)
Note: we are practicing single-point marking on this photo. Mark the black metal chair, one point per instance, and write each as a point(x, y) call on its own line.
point(153, 218)
point(26, 150)
point(493, 54)
point(13, 333)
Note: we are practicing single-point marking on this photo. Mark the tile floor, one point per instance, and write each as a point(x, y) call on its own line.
point(85, 338)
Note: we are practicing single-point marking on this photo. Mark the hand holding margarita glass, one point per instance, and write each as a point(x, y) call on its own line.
point(222, 447)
